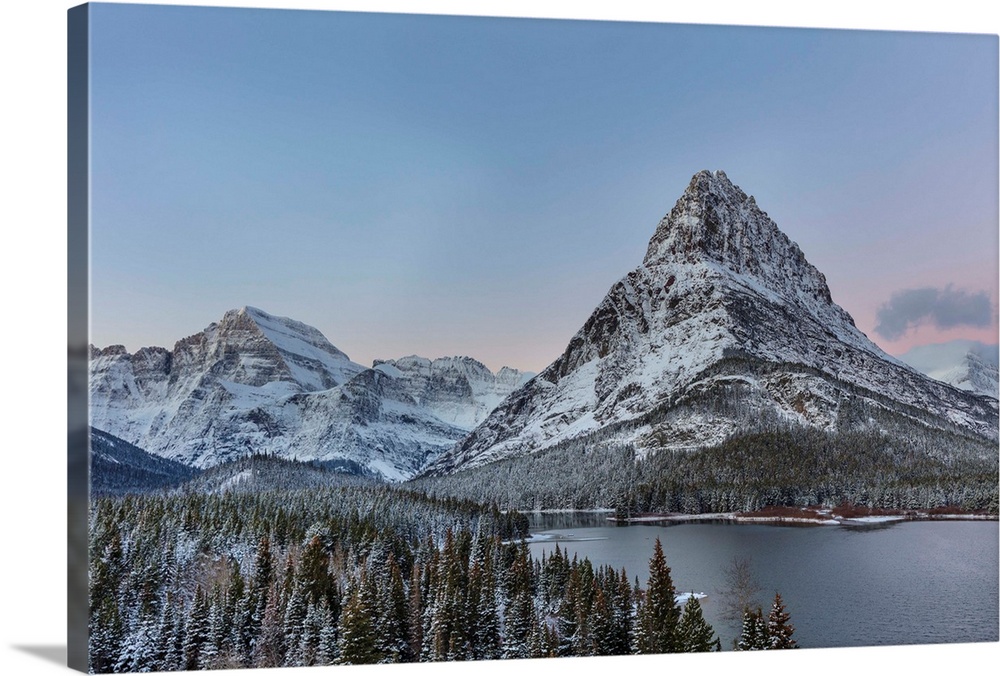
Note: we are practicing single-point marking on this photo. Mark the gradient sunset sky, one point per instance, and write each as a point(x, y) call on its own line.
point(460, 185)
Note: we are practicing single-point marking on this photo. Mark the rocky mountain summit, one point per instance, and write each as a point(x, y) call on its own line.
point(725, 327)
point(976, 374)
point(965, 364)
point(254, 383)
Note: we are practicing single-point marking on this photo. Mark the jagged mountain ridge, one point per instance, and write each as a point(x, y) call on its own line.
point(256, 383)
point(458, 390)
point(965, 364)
point(975, 374)
point(723, 300)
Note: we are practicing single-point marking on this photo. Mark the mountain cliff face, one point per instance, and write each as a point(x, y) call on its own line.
point(255, 383)
point(725, 325)
point(458, 390)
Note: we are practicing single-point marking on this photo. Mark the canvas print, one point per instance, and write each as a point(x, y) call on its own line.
point(430, 338)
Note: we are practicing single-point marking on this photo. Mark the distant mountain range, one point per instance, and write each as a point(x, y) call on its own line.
point(254, 383)
point(724, 329)
point(965, 364)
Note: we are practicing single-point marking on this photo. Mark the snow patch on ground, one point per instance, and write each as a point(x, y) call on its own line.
point(244, 476)
point(873, 519)
point(683, 598)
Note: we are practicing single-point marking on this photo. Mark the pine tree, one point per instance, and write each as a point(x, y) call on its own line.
point(236, 616)
point(586, 595)
point(778, 628)
point(391, 619)
point(313, 573)
point(307, 651)
point(482, 610)
point(260, 586)
point(624, 615)
point(197, 631)
point(138, 652)
point(217, 631)
point(269, 645)
point(329, 650)
point(695, 634)
point(107, 626)
point(294, 622)
point(659, 614)
point(173, 659)
point(519, 615)
point(415, 614)
point(429, 608)
point(242, 632)
point(357, 628)
point(569, 615)
point(753, 635)
point(602, 622)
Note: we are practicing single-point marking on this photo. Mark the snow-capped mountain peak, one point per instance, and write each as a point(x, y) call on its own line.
point(255, 383)
point(965, 364)
point(716, 224)
point(189, 403)
point(309, 359)
point(724, 307)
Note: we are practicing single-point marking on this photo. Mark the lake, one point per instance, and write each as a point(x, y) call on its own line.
point(907, 582)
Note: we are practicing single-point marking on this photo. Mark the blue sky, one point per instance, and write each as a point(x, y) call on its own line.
point(460, 185)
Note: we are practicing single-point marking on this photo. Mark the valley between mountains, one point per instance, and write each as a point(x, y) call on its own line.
point(718, 375)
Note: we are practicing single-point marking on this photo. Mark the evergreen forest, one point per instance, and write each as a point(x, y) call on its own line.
point(783, 466)
point(355, 574)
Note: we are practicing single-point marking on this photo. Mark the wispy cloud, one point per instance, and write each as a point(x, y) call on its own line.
point(943, 308)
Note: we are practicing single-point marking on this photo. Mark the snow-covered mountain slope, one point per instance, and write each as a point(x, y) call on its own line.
point(458, 390)
point(257, 383)
point(724, 322)
point(966, 364)
point(188, 403)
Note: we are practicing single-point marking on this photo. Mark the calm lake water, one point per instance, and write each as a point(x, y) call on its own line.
point(909, 582)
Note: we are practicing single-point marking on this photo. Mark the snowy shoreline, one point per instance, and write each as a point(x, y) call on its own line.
point(821, 518)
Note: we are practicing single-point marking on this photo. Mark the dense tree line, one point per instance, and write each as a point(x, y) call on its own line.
point(354, 575)
point(802, 466)
point(786, 465)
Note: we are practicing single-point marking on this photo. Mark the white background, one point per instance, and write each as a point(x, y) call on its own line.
point(33, 335)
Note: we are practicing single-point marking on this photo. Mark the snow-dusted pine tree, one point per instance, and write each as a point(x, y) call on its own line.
point(656, 630)
point(357, 628)
point(753, 636)
point(778, 628)
point(695, 635)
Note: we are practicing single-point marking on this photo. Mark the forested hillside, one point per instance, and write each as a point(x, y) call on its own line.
point(118, 467)
point(782, 466)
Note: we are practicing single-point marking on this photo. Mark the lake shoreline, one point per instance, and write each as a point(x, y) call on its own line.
point(810, 516)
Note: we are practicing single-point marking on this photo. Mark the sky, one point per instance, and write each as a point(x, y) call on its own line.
point(443, 185)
